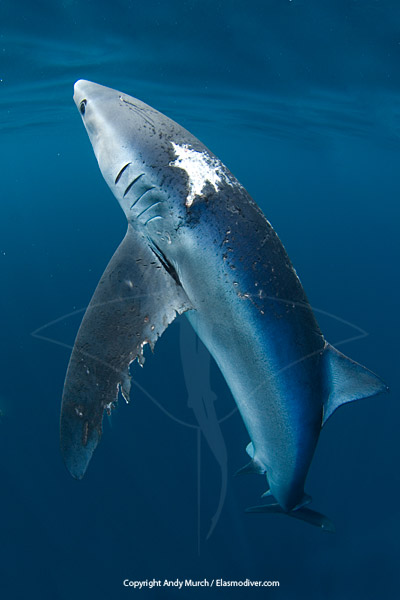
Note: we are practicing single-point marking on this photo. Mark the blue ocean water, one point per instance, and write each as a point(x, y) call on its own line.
point(300, 99)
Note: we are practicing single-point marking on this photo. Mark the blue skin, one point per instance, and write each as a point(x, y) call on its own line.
point(249, 307)
point(253, 316)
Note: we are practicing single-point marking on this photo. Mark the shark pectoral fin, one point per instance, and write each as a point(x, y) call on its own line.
point(303, 514)
point(346, 380)
point(135, 301)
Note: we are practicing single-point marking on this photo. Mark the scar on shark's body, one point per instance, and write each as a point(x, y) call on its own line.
point(198, 244)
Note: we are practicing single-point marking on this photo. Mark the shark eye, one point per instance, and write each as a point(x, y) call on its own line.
point(82, 107)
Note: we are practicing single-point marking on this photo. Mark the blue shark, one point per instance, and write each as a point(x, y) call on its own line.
point(198, 244)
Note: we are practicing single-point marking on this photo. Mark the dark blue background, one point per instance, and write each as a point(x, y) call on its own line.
point(301, 100)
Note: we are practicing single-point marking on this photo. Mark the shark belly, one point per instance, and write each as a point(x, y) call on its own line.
point(262, 334)
point(282, 419)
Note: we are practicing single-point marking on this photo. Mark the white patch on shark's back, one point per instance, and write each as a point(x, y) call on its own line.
point(201, 169)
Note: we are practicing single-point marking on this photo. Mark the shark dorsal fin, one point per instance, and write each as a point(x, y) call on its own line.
point(346, 381)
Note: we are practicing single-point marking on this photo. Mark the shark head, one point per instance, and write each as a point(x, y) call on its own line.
point(133, 144)
point(145, 157)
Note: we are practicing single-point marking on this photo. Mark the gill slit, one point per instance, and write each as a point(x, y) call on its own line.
point(148, 208)
point(132, 182)
point(141, 195)
point(153, 218)
point(118, 177)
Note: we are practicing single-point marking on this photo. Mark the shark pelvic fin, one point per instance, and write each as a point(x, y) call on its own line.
point(346, 380)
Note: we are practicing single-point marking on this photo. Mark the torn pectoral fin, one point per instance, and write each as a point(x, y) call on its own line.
point(135, 301)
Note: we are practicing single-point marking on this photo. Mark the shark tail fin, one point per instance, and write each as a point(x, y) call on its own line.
point(346, 381)
point(303, 514)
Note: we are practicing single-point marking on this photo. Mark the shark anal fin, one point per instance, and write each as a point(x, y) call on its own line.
point(346, 380)
point(134, 302)
point(303, 514)
point(253, 467)
point(250, 449)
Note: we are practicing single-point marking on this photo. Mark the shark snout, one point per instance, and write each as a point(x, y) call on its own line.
point(78, 91)
point(85, 90)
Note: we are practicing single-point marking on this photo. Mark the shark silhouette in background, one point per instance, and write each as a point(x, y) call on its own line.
point(196, 369)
